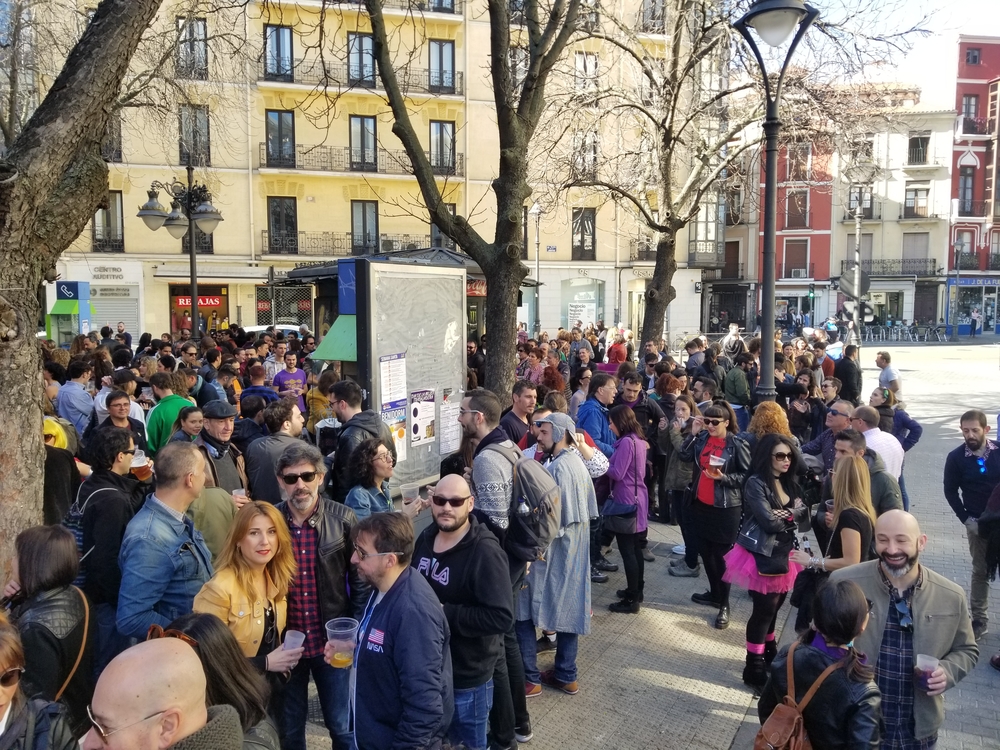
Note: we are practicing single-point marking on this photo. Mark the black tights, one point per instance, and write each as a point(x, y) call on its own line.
point(713, 554)
point(764, 617)
point(630, 546)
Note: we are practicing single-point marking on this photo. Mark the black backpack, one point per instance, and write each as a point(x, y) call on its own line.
point(534, 508)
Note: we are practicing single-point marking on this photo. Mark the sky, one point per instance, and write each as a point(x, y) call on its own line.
point(932, 64)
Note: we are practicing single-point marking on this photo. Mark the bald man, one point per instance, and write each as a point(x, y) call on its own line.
point(467, 569)
point(152, 697)
point(914, 610)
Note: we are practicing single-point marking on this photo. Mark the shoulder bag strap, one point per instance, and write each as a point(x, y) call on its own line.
point(790, 671)
point(83, 644)
point(815, 686)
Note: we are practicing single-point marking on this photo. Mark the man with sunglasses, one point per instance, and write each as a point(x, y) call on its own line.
point(318, 594)
point(971, 473)
point(838, 419)
point(464, 564)
point(914, 610)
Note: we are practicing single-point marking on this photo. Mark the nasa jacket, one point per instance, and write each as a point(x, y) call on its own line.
point(472, 581)
point(403, 696)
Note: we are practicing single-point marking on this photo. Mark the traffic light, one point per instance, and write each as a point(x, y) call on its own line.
point(812, 291)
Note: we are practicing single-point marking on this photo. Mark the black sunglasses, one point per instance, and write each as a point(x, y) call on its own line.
point(305, 476)
point(836, 413)
point(11, 677)
point(905, 617)
point(715, 421)
point(454, 502)
point(782, 456)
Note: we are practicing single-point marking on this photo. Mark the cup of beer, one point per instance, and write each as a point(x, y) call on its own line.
point(342, 635)
point(923, 668)
point(140, 466)
point(410, 492)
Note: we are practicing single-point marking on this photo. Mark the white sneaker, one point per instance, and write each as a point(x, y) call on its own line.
point(679, 549)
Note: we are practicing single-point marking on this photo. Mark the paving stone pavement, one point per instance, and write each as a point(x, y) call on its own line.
point(665, 678)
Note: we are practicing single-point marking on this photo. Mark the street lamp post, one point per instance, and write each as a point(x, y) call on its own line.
point(189, 203)
point(773, 20)
point(536, 211)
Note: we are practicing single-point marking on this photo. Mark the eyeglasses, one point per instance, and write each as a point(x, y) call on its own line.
point(982, 464)
point(469, 411)
point(156, 631)
point(11, 677)
point(104, 733)
point(386, 457)
point(715, 422)
point(454, 502)
point(362, 555)
point(782, 456)
point(905, 618)
point(130, 453)
point(305, 476)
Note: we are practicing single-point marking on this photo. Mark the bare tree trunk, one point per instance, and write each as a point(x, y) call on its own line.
point(660, 291)
point(503, 281)
point(51, 182)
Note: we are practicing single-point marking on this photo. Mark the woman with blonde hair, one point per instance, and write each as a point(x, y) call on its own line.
point(249, 591)
point(844, 528)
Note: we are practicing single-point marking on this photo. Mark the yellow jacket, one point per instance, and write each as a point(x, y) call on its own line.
point(222, 597)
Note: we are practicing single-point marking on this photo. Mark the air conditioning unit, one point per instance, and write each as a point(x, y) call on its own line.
point(800, 273)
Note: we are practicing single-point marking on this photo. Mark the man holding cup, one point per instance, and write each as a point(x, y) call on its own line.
point(919, 635)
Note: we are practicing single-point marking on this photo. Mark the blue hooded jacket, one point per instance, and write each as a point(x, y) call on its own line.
point(592, 416)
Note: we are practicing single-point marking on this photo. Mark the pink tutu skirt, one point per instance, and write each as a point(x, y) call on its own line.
point(741, 570)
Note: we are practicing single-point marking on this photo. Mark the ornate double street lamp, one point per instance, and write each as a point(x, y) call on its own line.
point(189, 203)
point(773, 21)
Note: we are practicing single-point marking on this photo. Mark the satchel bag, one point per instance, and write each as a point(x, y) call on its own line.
point(775, 564)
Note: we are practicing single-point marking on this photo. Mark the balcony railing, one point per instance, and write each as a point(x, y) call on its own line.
point(107, 243)
point(869, 213)
point(968, 261)
point(975, 126)
point(789, 271)
point(353, 75)
point(452, 7)
point(338, 243)
point(994, 264)
point(795, 220)
point(916, 212)
point(895, 267)
point(642, 249)
point(347, 159)
point(972, 208)
point(729, 272)
point(921, 157)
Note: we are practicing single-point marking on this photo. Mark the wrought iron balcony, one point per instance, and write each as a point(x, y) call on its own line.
point(968, 261)
point(798, 271)
point(972, 208)
point(729, 272)
point(107, 242)
point(975, 126)
point(994, 264)
point(451, 7)
point(895, 266)
point(642, 249)
point(347, 159)
point(354, 75)
point(916, 212)
point(868, 213)
point(341, 244)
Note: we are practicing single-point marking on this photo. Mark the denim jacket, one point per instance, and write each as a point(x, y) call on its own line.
point(164, 564)
point(367, 500)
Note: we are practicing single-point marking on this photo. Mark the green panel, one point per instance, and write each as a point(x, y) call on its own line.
point(66, 307)
point(341, 341)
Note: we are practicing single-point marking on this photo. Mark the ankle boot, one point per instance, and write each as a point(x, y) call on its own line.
point(770, 651)
point(755, 672)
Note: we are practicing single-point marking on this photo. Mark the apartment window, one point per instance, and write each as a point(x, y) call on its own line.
point(280, 128)
point(966, 180)
point(282, 225)
point(866, 247)
point(734, 205)
point(203, 243)
point(970, 105)
point(973, 55)
point(192, 49)
point(916, 201)
point(652, 16)
point(442, 66)
point(916, 245)
point(918, 149)
point(111, 146)
point(589, 18)
point(798, 162)
point(797, 215)
point(194, 146)
point(860, 195)
point(364, 227)
point(585, 155)
point(796, 259)
point(361, 60)
point(443, 146)
point(519, 61)
point(364, 156)
point(438, 238)
point(586, 72)
point(278, 61)
point(108, 228)
point(584, 234)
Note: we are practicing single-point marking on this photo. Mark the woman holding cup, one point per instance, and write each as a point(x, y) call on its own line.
point(371, 472)
point(250, 588)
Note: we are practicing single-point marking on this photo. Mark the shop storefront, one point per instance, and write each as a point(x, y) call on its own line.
point(115, 292)
point(582, 300)
point(284, 305)
point(213, 307)
point(969, 294)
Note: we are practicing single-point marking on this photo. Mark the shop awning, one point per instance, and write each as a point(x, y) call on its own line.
point(341, 341)
point(66, 307)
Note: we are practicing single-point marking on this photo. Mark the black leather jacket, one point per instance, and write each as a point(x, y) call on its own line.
point(51, 628)
point(334, 572)
point(37, 725)
point(736, 454)
point(843, 715)
point(760, 528)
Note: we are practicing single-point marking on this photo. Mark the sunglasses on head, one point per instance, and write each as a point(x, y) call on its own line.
point(156, 631)
point(782, 456)
point(714, 422)
point(11, 677)
point(305, 476)
point(454, 502)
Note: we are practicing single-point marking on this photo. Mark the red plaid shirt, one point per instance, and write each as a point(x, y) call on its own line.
point(303, 596)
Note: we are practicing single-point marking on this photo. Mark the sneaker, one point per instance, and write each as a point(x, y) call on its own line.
point(522, 732)
point(597, 576)
point(544, 644)
point(531, 689)
point(980, 628)
point(625, 606)
point(606, 566)
point(677, 561)
point(647, 555)
point(549, 679)
point(679, 549)
point(683, 571)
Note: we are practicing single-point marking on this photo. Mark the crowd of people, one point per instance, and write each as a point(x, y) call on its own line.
point(214, 508)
